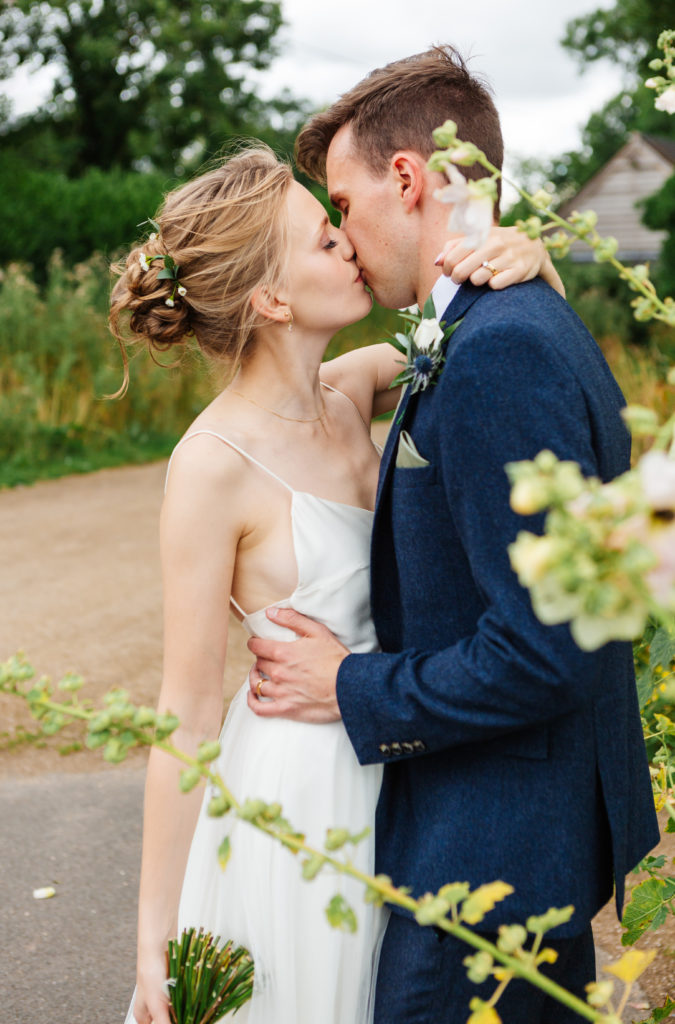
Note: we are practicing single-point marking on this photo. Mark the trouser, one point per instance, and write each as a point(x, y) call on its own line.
point(422, 980)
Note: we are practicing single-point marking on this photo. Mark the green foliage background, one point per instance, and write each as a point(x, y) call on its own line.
point(144, 95)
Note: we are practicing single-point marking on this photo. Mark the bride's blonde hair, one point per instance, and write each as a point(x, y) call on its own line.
point(226, 232)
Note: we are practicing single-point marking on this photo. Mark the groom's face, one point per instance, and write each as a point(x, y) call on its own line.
point(373, 220)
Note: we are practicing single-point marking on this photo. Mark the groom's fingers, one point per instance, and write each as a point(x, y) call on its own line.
point(300, 624)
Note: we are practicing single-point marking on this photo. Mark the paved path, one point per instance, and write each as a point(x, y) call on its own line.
point(69, 959)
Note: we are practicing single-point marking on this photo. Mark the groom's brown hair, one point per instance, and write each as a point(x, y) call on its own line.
point(398, 107)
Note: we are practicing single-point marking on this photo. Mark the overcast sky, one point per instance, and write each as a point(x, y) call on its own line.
point(326, 47)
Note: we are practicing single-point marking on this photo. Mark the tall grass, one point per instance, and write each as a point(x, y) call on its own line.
point(58, 361)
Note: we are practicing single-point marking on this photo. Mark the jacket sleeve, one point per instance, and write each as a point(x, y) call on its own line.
point(499, 402)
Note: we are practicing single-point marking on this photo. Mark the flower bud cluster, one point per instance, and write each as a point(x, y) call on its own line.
point(664, 83)
point(607, 558)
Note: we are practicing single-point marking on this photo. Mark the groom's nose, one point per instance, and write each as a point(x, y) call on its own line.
point(346, 248)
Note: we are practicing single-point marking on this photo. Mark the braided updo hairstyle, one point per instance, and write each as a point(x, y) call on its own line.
point(226, 232)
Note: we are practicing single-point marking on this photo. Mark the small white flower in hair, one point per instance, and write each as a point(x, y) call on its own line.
point(152, 236)
point(143, 260)
point(182, 290)
point(169, 302)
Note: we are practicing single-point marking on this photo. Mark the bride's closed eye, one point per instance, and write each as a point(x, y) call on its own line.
point(330, 244)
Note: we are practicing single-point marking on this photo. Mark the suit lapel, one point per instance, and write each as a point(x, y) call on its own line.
point(464, 298)
point(392, 440)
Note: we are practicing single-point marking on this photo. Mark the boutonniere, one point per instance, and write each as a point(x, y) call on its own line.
point(422, 346)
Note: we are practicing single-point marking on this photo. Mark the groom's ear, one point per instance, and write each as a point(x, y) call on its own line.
point(409, 173)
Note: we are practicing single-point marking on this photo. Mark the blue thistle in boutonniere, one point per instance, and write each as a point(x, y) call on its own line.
point(422, 346)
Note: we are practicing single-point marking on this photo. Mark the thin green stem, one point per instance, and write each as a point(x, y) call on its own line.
point(647, 289)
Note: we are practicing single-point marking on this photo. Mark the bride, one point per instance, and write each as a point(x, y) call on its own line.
point(269, 500)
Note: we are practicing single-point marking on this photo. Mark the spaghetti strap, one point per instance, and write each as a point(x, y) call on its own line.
point(245, 454)
point(239, 608)
point(231, 444)
point(342, 393)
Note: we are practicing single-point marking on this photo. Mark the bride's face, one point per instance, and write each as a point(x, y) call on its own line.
point(324, 288)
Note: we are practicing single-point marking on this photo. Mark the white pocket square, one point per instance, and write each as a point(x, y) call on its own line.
point(407, 456)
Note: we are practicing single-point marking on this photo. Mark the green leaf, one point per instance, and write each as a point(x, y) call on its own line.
point(340, 915)
point(429, 311)
point(312, 866)
point(336, 838)
point(399, 342)
point(224, 852)
point(551, 919)
point(645, 685)
point(662, 648)
point(648, 908)
point(483, 899)
point(660, 1013)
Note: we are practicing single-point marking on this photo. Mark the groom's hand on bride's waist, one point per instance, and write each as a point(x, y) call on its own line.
point(296, 680)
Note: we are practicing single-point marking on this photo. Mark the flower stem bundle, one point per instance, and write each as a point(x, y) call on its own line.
point(206, 980)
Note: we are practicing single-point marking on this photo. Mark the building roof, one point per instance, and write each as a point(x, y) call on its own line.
point(616, 193)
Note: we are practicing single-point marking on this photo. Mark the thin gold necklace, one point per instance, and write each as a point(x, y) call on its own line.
point(291, 419)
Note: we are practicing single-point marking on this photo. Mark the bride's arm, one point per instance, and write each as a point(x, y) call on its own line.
point(366, 373)
point(198, 545)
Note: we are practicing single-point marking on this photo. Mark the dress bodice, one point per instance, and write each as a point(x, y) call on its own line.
point(331, 543)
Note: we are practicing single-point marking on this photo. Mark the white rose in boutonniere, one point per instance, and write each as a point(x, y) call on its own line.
point(422, 345)
point(428, 335)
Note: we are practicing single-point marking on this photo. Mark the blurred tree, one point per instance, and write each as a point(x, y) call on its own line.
point(144, 84)
point(626, 35)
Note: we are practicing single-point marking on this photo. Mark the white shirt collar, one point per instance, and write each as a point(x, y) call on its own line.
point(442, 293)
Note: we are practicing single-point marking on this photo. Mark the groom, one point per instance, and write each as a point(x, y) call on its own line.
point(509, 753)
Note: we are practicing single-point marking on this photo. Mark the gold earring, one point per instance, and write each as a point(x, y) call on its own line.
point(290, 320)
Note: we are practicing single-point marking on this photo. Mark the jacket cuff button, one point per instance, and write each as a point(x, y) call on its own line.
point(385, 749)
point(419, 746)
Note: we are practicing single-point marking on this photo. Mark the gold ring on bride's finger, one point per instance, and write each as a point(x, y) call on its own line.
point(488, 266)
point(259, 688)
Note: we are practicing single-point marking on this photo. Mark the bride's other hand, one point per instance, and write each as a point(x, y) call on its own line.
point(151, 1005)
point(508, 257)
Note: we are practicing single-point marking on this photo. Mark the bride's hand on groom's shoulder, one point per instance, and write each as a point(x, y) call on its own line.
point(296, 680)
point(507, 257)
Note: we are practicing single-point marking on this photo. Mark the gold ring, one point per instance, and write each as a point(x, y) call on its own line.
point(488, 266)
point(258, 688)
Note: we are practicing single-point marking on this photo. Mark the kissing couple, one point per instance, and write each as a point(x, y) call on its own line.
point(419, 695)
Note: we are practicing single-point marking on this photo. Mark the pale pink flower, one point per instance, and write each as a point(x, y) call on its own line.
point(472, 210)
point(666, 101)
point(657, 474)
point(661, 579)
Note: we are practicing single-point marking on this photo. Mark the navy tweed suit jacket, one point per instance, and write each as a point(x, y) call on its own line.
point(509, 753)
